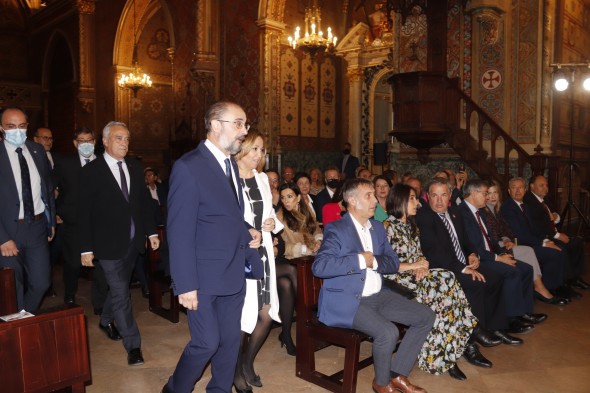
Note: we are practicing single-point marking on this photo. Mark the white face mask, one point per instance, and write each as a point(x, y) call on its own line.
point(16, 137)
point(86, 149)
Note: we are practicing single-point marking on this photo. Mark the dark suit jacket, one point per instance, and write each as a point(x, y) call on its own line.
point(436, 242)
point(319, 201)
point(542, 225)
point(207, 235)
point(337, 263)
point(67, 173)
point(9, 194)
point(476, 237)
point(520, 224)
point(105, 215)
point(351, 164)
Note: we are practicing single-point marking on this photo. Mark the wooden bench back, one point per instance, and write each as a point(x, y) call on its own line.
point(308, 290)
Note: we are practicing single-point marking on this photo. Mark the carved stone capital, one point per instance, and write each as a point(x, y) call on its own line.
point(355, 74)
point(489, 23)
point(85, 6)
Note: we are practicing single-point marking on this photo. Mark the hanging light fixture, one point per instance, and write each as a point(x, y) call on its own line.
point(136, 79)
point(559, 80)
point(313, 41)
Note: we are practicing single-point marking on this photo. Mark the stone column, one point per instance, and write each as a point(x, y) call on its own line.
point(549, 8)
point(85, 108)
point(355, 79)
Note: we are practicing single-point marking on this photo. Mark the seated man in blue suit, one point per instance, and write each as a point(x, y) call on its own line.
point(517, 276)
point(353, 257)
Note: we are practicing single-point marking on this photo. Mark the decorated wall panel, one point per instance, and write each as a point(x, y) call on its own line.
point(327, 119)
point(310, 98)
point(290, 93)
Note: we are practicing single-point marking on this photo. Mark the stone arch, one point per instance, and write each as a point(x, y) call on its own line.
point(53, 41)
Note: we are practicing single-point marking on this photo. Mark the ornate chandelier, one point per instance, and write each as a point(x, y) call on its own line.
point(313, 41)
point(136, 79)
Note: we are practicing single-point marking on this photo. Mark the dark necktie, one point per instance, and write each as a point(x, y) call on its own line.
point(86, 160)
point(483, 232)
point(550, 216)
point(25, 176)
point(522, 208)
point(125, 191)
point(229, 176)
point(455, 241)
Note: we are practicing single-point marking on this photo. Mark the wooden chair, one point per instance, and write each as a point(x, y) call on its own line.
point(313, 336)
point(8, 303)
point(159, 283)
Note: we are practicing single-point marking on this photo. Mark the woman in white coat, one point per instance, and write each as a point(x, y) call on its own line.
point(261, 305)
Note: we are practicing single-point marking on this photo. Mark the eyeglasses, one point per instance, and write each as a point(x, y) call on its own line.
point(9, 127)
point(239, 124)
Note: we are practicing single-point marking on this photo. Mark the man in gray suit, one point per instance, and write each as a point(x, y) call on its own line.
point(27, 217)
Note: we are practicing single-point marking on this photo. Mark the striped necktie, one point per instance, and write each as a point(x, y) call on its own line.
point(456, 246)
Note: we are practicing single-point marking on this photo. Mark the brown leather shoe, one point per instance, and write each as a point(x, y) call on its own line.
point(402, 384)
point(383, 389)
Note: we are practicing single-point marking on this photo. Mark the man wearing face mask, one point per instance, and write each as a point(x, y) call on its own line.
point(332, 179)
point(348, 163)
point(27, 217)
point(67, 174)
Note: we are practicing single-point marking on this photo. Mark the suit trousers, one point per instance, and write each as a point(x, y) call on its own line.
point(553, 265)
point(71, 255)
point(485, 298)
point(575, 254)
point(374, 316)
point(215, 336)
point(517, 289)
point(32, 268)
point(117, 306)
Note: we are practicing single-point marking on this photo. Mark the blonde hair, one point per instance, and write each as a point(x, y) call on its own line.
point(247, 147)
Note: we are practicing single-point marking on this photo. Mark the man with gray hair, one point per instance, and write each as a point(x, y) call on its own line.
point(517, 276)
point(114, 219)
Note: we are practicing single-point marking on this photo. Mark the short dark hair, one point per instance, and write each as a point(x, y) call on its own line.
point(350, 186)
point(82, 130)
point(383, 177)
point(13, 108)
point(216, 111)
point(300, 175)
point(397, 204)
point(533, 179)
point(150, 169)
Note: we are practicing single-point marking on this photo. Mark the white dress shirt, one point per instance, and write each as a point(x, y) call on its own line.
point(34, 176)
point(373, 278)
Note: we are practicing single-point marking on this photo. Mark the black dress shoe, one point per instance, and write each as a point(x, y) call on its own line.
point(134, 357)
point(145, 292)
point(533, 318)
point(555, 300)
point(111, 331)
point(567, 292)
point(507, 339)
point(516, 326)
point(253, 381)
point(97, 311)
point(485, 337)
point(473, 356)
point(456, 373)
point(247, 390)
point(578, 283)
point(69, 300)
point(165, 389)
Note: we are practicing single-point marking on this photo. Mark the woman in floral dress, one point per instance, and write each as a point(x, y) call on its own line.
point(436, 288)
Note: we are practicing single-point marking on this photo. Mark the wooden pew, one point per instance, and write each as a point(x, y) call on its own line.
point(160, 283)
point(313, 336)
point(8, 303)
point(45, 353)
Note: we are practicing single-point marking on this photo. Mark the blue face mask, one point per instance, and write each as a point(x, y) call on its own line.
point(86, 149)
point(16, 137)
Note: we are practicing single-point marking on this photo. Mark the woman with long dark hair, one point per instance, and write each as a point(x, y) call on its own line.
point(436, 288)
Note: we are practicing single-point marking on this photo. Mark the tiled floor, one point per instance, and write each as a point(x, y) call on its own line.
point(554, 358)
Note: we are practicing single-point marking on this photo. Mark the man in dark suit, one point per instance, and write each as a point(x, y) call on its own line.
point(517, 214)
point(332, 180)
point(347, 163)
point(445, 244)
point(68, 171)
point(353, 257)
point(517, 276)
point(114, 220)
point(210, 245)
point(545, 221)
point(27, 217)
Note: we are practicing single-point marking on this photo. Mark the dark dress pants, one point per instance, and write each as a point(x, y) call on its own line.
point(374, 316)
point(215, 336)
point(117, 306)
point(553, 265)
point(72, 260)
point(485, 298)
point(517, 288)
point(32, 268)
point(575, 253)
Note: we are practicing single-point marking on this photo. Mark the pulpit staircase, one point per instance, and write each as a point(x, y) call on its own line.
point(431, 109)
